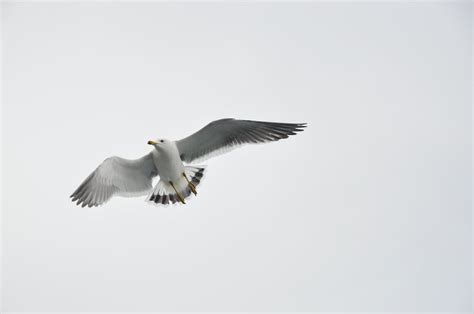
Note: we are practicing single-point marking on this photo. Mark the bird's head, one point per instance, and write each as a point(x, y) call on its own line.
point(160, 144)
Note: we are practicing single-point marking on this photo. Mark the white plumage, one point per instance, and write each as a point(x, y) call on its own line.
point(123, 177)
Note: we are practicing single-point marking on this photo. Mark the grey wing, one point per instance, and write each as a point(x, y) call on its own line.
point(222, 135)
point(116, 176)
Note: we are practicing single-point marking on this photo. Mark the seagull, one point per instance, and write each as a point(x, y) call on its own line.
point(129, 178)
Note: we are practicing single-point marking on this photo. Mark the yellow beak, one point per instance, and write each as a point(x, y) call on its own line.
point(152, 143)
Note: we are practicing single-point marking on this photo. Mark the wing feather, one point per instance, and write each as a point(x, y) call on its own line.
point(223, 135)
point(116, 176)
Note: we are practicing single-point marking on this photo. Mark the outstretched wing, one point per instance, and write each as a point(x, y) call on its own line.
point(116, 176)
point(222, 135)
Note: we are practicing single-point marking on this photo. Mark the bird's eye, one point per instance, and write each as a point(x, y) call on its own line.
point(162, 141)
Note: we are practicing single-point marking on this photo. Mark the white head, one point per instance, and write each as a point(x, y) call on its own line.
point(161, 144)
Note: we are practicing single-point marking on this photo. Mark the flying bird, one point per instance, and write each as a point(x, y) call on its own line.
point(124, 177)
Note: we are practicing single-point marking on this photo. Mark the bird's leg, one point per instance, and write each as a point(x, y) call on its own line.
point(190, 184)
point(181, 199)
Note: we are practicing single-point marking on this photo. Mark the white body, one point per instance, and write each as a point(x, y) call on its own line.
point(177, 182)
point(167, 161)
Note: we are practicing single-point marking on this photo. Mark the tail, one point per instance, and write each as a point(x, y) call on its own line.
point(177, 191)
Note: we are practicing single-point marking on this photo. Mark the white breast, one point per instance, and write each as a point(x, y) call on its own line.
point(167, 161)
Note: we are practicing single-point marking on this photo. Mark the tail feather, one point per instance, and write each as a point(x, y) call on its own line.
point(163, 193)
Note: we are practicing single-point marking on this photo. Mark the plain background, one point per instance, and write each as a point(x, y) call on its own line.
point(368, 209)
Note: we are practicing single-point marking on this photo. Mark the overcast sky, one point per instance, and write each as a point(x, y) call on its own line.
point(369, 209)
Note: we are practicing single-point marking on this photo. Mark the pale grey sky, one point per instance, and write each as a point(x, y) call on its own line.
point(369, 209)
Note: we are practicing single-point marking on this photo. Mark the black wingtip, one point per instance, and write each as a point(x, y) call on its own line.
point(299, 127)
